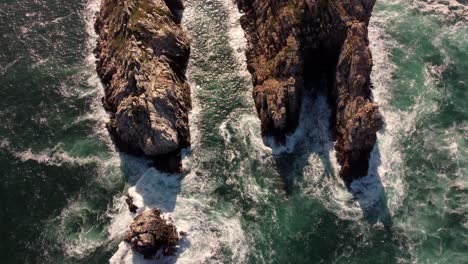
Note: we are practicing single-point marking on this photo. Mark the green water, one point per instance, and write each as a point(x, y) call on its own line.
point(62, 181)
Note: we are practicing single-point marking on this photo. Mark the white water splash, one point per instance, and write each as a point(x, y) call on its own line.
point(81, 243)
point(178, 197)
point(237, 39)
point(449, 8)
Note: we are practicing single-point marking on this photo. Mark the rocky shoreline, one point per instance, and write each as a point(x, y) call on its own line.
point(142, 55)
point(300, 44)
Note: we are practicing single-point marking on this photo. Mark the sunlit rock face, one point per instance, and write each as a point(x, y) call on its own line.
point(142, 54)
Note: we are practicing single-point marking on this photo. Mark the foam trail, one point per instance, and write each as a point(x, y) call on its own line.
point(84, 242)
point(242, 120)
point(236, 36)
point(55, 156)
point(386, 156)
point(98, 113)
point(313, 140)
point(386, 162)
point(207, 234)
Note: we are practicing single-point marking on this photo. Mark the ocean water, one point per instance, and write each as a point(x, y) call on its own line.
point(242, 199)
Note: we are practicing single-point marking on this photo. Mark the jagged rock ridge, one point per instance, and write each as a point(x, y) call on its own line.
point(297, 44)
point(142, 55)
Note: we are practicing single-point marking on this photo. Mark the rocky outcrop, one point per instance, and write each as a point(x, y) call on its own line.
point(142, 55)
point(131, 206)
point(300, 44)
point(150, 233)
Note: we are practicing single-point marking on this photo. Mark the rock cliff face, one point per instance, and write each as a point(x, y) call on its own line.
point(298, 44)
point(142, 55)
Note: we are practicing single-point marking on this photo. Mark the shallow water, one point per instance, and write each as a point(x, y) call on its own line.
point(62, 181)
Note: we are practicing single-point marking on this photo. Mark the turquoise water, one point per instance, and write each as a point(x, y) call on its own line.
point(62, 181)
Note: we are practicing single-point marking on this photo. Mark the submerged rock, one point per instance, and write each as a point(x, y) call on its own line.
point(301, 44)
point(131, 206)
point(142, 55)
point(150, 233)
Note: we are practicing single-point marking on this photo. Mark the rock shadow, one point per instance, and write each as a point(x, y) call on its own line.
point(313, 141)
point(312, 137)
point(370, 193)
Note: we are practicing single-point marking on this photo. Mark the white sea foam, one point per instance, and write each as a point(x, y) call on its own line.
point(321, 179)
point(209, 231)
point(236, 36)
point(386, 160)
point(448, 8)
point(310, 121)
point(386, 155)
point(98, 113)
point(246, 125)
point(82, 243)
point(55, 156)
point(4, 69)
point(194, 115)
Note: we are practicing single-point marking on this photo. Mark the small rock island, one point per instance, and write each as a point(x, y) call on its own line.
point(150, 233)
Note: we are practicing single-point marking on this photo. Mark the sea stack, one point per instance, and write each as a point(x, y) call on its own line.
point(298, 44)
point(142, 54)
point(150, 233)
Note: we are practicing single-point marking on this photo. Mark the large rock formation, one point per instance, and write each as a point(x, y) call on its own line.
point(142, 55)
point(150, 233)
point(297, 44)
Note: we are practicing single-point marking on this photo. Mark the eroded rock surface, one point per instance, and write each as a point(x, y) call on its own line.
point(150, 233)
point(299, 44)
point(142, 55)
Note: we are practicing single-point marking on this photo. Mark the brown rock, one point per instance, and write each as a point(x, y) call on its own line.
point(150, 233)
point(294, 45)
point(131, 206)
point(142, 55)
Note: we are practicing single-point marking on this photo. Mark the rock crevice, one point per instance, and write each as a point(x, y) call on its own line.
point(295, 45)
point(142, 54)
